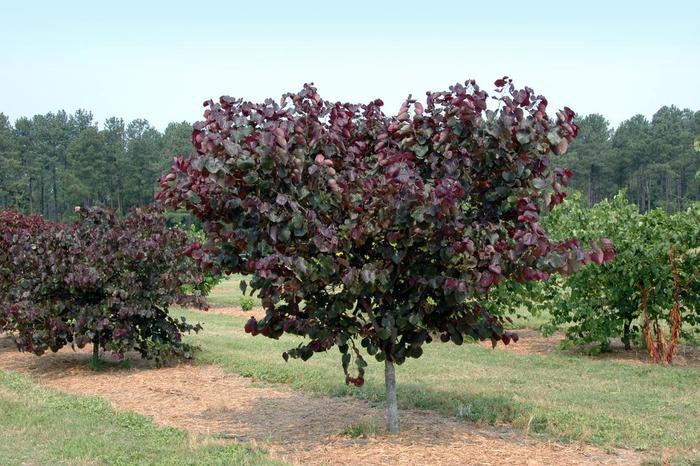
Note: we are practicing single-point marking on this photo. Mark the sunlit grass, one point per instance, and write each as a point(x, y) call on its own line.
point(646, 407)
point(228, 293)
point(39, 426)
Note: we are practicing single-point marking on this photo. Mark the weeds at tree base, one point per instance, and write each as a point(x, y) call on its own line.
point(99, 364)
point(247, 303)
point(96, 364)
point(363, 429)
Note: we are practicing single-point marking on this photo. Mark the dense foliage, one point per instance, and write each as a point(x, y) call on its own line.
point(362, 230)
point(52, 162)
point(14, 224)
point(652, 159)
point(104, 280)
point(210, 278)
point(600, 303)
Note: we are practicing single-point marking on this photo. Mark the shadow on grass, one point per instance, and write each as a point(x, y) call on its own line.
point(500, 411)
point(6, 343)
point(70, 361)
point(480, 409)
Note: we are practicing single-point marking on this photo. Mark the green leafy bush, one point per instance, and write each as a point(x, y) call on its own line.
point(600, 303)
point(211, 279)
point(247, 303)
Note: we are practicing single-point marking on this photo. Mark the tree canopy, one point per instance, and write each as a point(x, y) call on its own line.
point(652, 160)
point(51, 163)
point(367, 231)
point(103, 280)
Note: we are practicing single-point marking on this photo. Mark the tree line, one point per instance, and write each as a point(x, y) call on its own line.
point(52, 162)
point(653, 160)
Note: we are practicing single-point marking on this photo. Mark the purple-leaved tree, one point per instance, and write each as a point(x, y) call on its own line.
point(103, 280)
point(374, 233)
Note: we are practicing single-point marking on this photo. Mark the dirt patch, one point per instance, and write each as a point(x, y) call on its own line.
point(293, 426)
point(532, 342)
point(257, 312)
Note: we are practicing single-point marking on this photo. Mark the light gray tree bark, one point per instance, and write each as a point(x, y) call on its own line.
point(392, 407)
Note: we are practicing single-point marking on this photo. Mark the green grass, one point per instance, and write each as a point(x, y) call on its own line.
point(39, 426)
point(228, 294)
point(526, 320)
point(365, 428)
point(645, 407)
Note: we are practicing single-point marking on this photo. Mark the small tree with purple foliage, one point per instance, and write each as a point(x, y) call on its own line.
point(373, 233)
point(103, 280)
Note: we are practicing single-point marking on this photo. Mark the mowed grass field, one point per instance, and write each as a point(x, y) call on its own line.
point(39, 426)
point(611, 403)
point(651, 408)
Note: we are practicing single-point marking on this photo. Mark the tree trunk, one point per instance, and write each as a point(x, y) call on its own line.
point(590, 186)
point(392, 406)
point(55, 195)
point(42, 197)
point(639, 194)
point(96, 349)
point(31, 196)
point(626, 335)
point(680, 191)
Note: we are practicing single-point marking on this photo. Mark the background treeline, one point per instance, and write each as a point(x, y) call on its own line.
point(53, 162)
point(653, 161)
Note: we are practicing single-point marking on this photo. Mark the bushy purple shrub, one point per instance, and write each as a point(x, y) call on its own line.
point(103, 280)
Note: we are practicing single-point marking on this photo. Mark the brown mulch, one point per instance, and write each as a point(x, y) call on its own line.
point(532, 342)
point(257, 312)
point(293, 426)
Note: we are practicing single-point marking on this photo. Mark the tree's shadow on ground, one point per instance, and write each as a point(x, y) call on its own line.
point(68, 361)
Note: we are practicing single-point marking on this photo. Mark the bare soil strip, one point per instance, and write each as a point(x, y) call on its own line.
point(294, 426)
point(532, 342)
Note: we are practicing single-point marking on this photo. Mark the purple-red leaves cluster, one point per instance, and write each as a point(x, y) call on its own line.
point(103, 280)
point(361, 229)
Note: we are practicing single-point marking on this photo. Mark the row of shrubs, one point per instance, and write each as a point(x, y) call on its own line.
point(358, 227)
point(103, 280)
point(110, 281)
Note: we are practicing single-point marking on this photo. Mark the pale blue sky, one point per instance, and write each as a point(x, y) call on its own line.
point(160, 60)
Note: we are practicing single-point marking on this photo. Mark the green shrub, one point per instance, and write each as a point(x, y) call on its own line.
point(247, 303)
point(600, 303)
